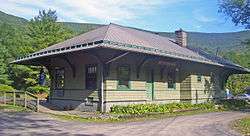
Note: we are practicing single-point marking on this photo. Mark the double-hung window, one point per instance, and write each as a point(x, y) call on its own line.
point(91, 77)
point(59, 78)
point(171, 79)
point(123, 75)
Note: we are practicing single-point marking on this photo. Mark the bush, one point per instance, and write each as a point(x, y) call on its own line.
point(38, 89)
point(233, 104)
point(6, 88)
point(139, 109)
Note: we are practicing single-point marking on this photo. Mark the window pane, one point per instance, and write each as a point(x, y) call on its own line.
point(91, 77)
point(171, 79)
point(59, 78)
point(123, 76)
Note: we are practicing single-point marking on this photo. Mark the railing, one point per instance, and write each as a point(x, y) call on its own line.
point(20, 98)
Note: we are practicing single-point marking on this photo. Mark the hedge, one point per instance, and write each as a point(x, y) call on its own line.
point(139, 109)
point(234, 104)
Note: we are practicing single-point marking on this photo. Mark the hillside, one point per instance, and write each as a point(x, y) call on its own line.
point(80, 27)
point(209, 41)
point(212, 41)
point(15, 21)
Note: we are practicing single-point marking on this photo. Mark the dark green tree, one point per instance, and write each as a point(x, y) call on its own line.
point(237, 10)
point(41, 32)
point(44, 31)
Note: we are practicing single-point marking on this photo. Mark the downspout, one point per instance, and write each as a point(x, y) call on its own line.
point(102, 86)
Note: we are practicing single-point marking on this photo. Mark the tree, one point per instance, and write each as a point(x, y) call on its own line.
point(237, 10)
point(44, 31)
point(41, 32)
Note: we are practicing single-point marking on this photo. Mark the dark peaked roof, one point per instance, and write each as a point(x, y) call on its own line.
point(126, 38)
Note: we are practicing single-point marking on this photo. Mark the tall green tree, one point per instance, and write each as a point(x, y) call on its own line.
point(237, 10)
point(11, 41)
point(44, 30)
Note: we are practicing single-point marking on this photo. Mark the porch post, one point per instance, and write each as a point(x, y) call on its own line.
point(102, 86)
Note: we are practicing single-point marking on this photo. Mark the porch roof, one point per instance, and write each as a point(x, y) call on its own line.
point(131, 39)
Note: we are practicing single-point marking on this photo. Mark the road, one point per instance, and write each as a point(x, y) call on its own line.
point(207, 124)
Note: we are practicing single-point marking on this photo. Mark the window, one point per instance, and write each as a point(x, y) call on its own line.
point(199, 77)
point(171, 80)
point(123, 77)
point(59, 78)
point(91, 77)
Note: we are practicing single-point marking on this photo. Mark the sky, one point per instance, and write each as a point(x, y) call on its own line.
point(154, 15)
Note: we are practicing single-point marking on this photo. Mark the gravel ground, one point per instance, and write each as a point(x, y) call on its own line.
point(208, 124)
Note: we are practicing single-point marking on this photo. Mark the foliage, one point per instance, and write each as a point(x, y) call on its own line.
point(232, 104)
point(243, 125)
point(14, 21)
point(237, 10)
point(225, 41)
point(23, 76)
point(237, 83)
point(40, 32)
point(38, 89)
point(45, 31)
point(6, 88)
point(139, 109)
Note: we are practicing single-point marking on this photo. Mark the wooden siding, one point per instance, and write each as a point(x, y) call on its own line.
point(186, 87)
point(74, 87)
point(125, 95)
point(77, 95)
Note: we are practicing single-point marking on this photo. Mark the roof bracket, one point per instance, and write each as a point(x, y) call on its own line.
point(117, 57)
point(72, 66)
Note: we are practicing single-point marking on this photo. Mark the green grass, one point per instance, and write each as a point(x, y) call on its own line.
point(243, 126)
point(130, 118)
point(12, 108)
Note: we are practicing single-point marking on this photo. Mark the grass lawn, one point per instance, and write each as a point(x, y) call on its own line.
point(12, 108)
point(243, 126)
point(130, 118)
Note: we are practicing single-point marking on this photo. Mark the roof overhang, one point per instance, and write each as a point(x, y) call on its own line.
point(121, 46)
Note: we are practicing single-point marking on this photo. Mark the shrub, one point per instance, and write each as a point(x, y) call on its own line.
point(6, 88)
point(38, 89)
point(139, 109)
point(233, 104)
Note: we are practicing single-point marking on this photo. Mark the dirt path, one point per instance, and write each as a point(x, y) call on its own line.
point(209, 124)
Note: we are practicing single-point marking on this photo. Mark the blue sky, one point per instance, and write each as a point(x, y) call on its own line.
point(155, 15)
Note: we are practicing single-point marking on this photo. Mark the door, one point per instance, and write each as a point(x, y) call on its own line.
point(150, 84)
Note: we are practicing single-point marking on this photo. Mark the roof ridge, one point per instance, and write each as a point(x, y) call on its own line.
point(108, 26)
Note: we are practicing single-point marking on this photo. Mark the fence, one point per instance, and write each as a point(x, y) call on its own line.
point(20, 98)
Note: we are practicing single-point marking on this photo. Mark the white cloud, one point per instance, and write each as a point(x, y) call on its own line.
point(79, 10)
point(201, 16)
